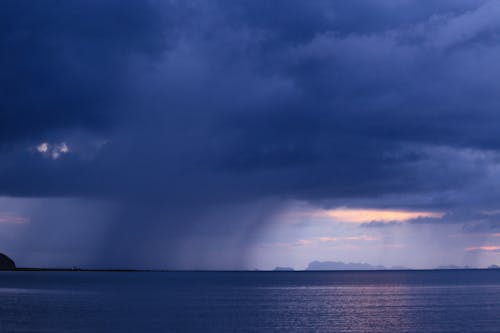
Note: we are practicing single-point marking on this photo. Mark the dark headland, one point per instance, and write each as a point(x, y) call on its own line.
point(6, 264)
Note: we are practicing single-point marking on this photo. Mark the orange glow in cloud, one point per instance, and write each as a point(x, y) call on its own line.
point(14, 219)
point(370, 215)
point(303, 242)
point(487, 248)
point(349, 238)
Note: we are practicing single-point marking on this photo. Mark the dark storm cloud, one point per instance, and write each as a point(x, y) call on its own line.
point(175, 107)
point(63, 63)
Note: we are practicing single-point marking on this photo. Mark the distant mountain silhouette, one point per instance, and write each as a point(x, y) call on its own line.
point(452, 267)
point(281, 269)
point(342, 266)
point(494, 267)
point(6, 264)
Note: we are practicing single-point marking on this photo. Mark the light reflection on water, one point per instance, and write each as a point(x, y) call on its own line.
point(462, 301)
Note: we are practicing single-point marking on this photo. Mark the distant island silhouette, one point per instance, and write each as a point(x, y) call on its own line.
point(342, 266)
point(452, 267)
point(283, 269)
point(6, 264)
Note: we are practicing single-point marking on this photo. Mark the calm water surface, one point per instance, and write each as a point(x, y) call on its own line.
point(398, 301)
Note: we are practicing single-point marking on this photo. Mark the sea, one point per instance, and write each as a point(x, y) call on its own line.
point(441, 301)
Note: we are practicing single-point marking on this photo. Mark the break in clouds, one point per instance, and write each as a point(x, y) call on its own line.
point(172, 133)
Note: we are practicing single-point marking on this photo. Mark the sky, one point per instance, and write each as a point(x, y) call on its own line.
point(232, 134)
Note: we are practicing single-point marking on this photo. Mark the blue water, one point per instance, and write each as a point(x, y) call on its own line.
point(398, 301)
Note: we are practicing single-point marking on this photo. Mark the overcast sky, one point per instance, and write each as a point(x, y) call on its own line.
point(232, 134)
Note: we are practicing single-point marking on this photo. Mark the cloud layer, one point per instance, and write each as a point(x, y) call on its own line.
point(175, 110)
